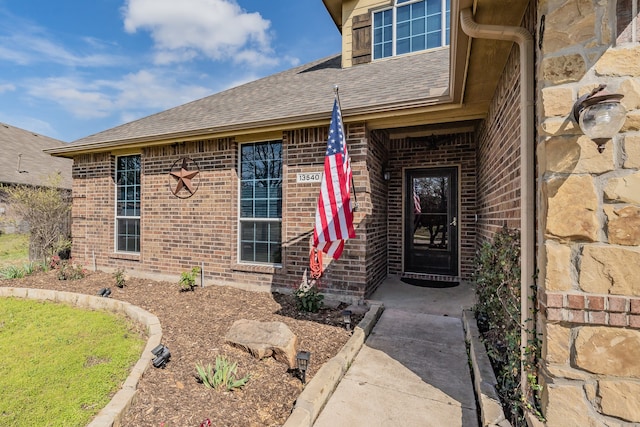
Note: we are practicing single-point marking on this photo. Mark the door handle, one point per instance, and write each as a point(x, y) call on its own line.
point(454, 222)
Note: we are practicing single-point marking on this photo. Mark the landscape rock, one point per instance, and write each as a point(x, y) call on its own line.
point(264, 339)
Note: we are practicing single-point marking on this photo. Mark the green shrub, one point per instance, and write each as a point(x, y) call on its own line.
point(188, 279)
point(224, 374)
point(12, 272)
point(497, 277)
point(30, 268)
point(308, 298)
point(118, 275)
point(69, 271)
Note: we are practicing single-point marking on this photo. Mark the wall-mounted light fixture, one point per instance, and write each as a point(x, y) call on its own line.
point(386, 174)
point(600, 115)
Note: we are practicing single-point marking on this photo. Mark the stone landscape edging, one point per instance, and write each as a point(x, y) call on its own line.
point(110, 415)
point(317, 392)
point(484, 380)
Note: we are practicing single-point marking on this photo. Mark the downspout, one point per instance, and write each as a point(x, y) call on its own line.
point(527, 213)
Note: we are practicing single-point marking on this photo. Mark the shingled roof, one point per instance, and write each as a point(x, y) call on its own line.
point(293, 96)
point(24, 162)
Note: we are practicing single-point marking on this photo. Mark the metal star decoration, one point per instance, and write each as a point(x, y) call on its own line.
point(184, 177)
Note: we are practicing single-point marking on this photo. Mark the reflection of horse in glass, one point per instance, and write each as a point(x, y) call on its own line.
point(435, 224)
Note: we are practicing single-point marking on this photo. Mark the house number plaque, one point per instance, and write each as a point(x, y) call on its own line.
point(305, 177)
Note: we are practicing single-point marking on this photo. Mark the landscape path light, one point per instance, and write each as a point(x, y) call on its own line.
point(303, 364)
point(162, 355)
point(346, 319)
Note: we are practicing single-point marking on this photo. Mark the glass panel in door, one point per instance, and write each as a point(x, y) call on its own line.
point(431, 221)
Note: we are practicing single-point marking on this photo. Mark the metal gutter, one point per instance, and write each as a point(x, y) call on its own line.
point(527, 168)
point(374, 112)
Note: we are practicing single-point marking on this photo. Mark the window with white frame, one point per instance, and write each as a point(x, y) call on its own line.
point(261, 202)
point(410, 26)
point(127, 227)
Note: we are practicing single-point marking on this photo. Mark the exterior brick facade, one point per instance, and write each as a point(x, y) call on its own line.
point(178, 234)
point(446, 150)
point(498, 183)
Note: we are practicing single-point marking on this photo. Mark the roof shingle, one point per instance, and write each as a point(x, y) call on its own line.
point(24, 162)
point(300, 93)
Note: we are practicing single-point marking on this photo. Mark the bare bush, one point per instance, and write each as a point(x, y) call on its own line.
point(46, 209)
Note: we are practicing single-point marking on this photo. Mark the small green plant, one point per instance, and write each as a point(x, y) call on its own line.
point(12, 272)
point(118, 275)
point(308, 298)
point(30, 268)
point(67, 270)
point(188, 279)
point(497, 278)
point(224, 374)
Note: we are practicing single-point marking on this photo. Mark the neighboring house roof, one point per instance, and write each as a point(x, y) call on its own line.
point(298, 95)
point(24, 162)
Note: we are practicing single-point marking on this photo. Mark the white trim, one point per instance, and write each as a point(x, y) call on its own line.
point(394, 11)
point(115, 208)
point(266, 220)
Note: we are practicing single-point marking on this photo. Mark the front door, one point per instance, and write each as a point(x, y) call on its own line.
point(431, 221)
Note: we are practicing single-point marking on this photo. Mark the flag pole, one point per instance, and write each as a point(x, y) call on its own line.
point(353, 187)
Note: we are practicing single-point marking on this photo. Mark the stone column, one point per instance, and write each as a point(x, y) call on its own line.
point(589, 217)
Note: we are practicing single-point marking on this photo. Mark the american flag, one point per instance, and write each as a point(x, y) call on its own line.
point(417, 209)
point(334, 216)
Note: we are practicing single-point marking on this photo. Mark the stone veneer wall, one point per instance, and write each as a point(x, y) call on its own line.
point(589, 219)
point(178, 234)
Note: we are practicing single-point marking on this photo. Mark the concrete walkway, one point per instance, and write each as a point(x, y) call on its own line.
point(413, 369)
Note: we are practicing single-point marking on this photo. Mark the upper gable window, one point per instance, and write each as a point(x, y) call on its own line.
point(410, 26)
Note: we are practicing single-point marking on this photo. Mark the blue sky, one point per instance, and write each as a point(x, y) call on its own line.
point(72, 68)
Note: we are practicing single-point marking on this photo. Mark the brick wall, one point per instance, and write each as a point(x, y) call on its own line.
point(498, 177)
point(440, 151)
point(92, 208)
point(178, 234)
point(378, 188)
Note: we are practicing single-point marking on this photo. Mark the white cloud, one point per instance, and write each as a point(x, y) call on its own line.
point(134, 94)
point(85, 100)
point(29, 123)
point(215, 29)
point(7, 87)
point(24, 43)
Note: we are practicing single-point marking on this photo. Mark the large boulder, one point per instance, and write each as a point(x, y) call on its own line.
point(264, 339)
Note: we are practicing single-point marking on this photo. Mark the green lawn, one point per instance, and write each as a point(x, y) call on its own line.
point(60, 365)
point(14, 249)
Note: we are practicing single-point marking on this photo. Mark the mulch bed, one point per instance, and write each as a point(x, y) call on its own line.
point(194, 325)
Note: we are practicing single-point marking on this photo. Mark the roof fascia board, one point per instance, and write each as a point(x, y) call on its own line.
point(350, 115)
point(459, 51)
point(334, 7)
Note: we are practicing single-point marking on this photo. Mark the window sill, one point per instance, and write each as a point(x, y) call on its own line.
point(126, 256)
point(256, 268)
